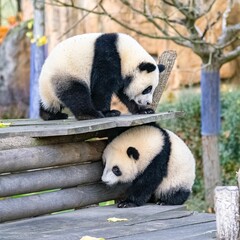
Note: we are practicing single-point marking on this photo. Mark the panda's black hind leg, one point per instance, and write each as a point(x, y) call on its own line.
point(76, 96)
point(50, 115)
point(174, 197)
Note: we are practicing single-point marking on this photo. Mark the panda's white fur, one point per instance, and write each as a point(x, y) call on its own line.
point(72, 60)
point(65, 58)
point(148, 142)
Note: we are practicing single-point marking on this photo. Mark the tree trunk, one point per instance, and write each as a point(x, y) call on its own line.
point(37, 58)
point(210, 121)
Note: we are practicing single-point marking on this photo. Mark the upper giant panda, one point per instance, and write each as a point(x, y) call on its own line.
point(82, 73)
point(156, 163)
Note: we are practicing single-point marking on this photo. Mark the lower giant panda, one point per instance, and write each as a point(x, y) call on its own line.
point(156, 163)
point(82, 73)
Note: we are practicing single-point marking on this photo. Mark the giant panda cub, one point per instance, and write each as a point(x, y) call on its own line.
point(82, 73)
point(156, 163)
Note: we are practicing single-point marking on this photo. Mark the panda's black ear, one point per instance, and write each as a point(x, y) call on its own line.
point(133, 152)
point(147, 66)
point(161, 67)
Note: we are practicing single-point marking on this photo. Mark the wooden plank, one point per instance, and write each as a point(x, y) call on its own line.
point(21, 142)
point(194, 231)
point(167, 58)
point(167, 221)
point(70, 127)
point(62, 177)
point(13, 160)
point(35, 205)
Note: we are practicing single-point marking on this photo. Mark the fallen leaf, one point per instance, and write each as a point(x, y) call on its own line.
point(3, 125)
point(91, 238)
point(114, 219)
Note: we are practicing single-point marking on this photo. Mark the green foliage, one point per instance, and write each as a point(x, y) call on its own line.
point(189, 129)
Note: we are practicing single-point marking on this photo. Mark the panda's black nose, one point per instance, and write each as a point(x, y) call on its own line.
point(148, 103)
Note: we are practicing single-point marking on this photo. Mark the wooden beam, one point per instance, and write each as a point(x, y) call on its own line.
point(63, 177)
point(12, 209)
point(15, 160)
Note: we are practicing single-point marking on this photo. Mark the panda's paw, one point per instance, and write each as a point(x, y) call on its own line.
point(160, 203)
point(112, 113)
point(126, 204)
point(146, 111)
point(60, 115)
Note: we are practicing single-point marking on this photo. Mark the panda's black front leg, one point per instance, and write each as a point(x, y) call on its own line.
point(102, 102)
point(132, 106)
point(143, 187)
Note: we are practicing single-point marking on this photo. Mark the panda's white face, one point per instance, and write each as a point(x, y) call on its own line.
point(119, 166)
point(143, 83)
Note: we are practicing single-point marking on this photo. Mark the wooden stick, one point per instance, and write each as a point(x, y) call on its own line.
point(12, 209)
point(227, 212)
point(167, 58)
point(35, 181)
point(47, 156)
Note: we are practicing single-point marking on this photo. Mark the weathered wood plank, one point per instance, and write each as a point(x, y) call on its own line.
point(72, 127)
point(227, 212)
point(167, 58)
point(167, 221)
point(22, 142)
point(13, 160)
point(35, 205)
point(195, 231)
point(63, 177)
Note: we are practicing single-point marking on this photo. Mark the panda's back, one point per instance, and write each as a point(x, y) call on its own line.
point(73, 56)
point(182, 161)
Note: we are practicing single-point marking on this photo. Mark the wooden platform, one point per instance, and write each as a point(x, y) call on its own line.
point(149, 222)
point(40, 128)
point(60, 162)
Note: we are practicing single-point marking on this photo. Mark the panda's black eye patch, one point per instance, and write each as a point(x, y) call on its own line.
point(147, 66)
point(116, 171)
point(133, 152)
point(147, 90)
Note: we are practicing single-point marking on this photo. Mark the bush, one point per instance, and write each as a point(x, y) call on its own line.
point(189, 129)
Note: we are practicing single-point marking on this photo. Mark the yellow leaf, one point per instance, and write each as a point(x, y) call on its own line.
point(41, 41)
point(114, 219)
point(30, 24)
point(2, 125)
point(29, 34)
point(91, 238)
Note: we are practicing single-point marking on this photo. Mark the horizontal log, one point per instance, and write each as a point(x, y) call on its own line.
point(47, 156)
point(23, 142)
point(12, 209)
point(63, 177)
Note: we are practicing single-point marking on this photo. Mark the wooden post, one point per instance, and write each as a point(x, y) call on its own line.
point(37, 58)
point(210, 121)
point(227, 212)
point(238, 178)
